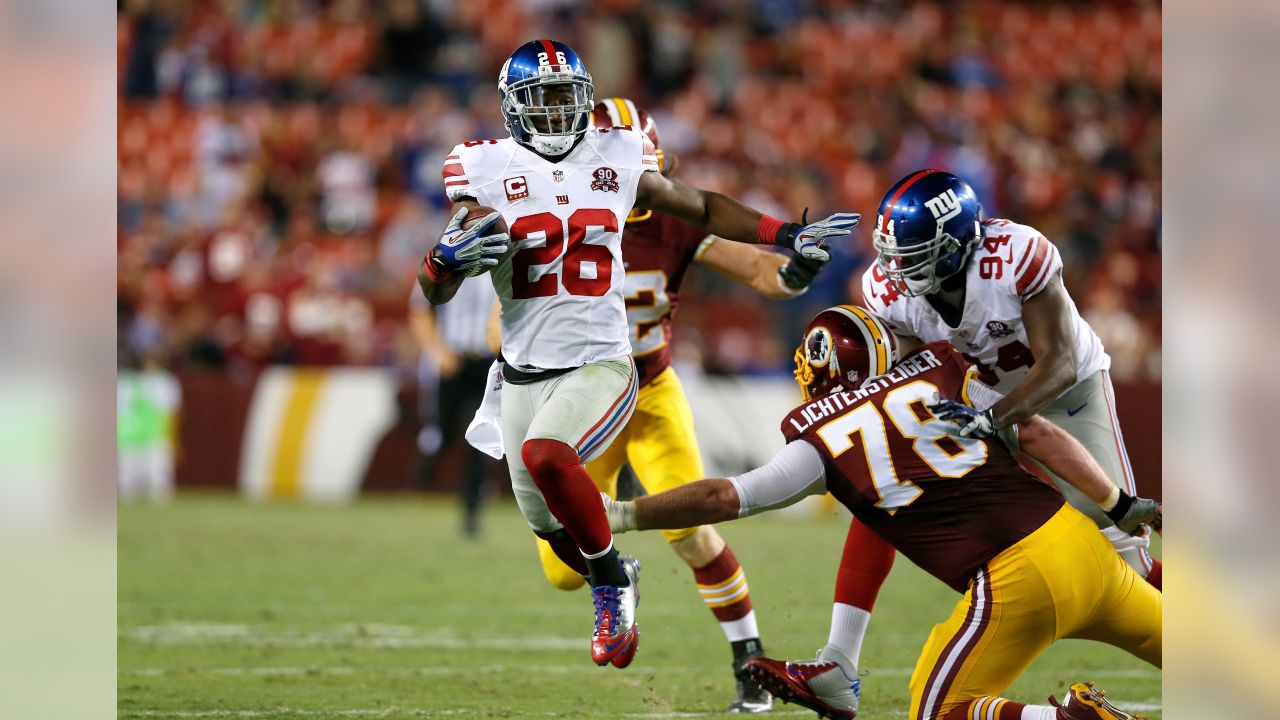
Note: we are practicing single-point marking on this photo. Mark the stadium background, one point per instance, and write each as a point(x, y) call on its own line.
point(279, 183)
point(279, 166)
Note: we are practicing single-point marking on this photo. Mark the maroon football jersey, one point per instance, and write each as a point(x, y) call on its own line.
point(949, 504)
point(655, 252)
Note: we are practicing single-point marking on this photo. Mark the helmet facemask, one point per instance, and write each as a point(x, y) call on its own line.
point(919, 269)
point(548, 112)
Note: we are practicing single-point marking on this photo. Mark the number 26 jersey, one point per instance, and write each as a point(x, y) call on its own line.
point(1011, 265)
point(561, 287)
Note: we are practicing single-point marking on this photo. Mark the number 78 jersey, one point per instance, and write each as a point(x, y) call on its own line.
point(561, 287)
point(948, 503)
point(1013, 264)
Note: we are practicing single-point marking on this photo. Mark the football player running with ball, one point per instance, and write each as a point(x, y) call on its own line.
point(993, 290)
point(1032, 569)
point(659, 441)
point(563, 190)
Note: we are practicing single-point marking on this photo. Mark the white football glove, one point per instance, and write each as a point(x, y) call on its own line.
point(469, 251)
point(810, 241)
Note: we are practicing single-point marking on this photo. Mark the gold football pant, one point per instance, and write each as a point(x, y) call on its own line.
point(1062, 581)
point(660, 444)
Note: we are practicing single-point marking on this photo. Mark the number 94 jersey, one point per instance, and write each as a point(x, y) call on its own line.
point(1013, 264)
point(949, 504)
point(561, 286)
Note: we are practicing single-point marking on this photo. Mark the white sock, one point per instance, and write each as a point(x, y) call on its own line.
point(848, 628)
point(1039, 712)
point(744, 628)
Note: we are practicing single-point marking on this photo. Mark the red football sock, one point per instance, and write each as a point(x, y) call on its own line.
point(723, 587)
point(570, 494)
point(1156, 576)
point(864, 565)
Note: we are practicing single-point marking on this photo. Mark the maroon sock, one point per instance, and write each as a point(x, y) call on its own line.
point(1156, 576)
point(723, 587)
point(570, 494)
point(864, 565)
point(565, 549)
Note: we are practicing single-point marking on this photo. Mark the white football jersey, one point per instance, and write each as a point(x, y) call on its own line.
point(1012, 265)
point(561, 286)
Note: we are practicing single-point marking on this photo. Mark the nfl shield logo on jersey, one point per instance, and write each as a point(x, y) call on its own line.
point(606, 179)
point(557, 175)
point(998, 329)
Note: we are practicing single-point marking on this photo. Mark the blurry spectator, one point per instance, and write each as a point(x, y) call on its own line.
point(348, 199)
point(147, 404)
point(406, 240)
point(224, 145)
point(1124, 337)
point(1052, 112)
point(407, 46)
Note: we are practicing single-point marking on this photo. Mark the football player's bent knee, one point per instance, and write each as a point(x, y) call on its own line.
point(558, 574)
point(546, 458)
point(699, 546)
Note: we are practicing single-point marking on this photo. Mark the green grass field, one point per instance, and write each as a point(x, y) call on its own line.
point(379, 610)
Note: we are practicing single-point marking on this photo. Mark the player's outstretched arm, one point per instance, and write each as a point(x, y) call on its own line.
point(723, 216)
point(768, 273)
point(1047, 318)
point(797, 471)
point(1069, 460)
point(461, 253)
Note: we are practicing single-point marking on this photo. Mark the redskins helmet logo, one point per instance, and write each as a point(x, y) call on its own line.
point(818, 346)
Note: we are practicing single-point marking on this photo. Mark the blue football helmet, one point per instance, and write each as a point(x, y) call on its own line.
point(547, 96)
point(926, 228)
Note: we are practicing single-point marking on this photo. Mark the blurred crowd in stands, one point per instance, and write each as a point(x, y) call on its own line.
point(279, 160)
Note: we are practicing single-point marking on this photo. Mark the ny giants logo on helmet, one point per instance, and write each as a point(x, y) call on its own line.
point(944, 206)
point(606, 180)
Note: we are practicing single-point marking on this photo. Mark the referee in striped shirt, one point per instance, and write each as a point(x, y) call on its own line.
point(455, 349)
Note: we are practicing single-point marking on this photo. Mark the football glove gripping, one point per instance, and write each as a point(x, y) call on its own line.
point(1131, 513)
point(469, 251)
point(799, 273)
point(971, 423)
point(808, 240)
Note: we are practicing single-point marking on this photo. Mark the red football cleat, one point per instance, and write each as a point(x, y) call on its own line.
point(823, 687)
point(616, 634)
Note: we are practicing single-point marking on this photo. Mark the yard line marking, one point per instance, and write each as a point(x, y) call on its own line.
point(372, 635)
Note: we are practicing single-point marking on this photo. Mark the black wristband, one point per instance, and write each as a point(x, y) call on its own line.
point(786, 234)
point(1122, 506)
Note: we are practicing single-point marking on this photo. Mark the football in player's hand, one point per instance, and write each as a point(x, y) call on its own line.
point(481, 212)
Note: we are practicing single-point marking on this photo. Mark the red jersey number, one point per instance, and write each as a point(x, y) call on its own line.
point(1009, 357)
point(577, 254)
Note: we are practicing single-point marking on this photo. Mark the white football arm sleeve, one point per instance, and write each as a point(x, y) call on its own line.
point(794, 473)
